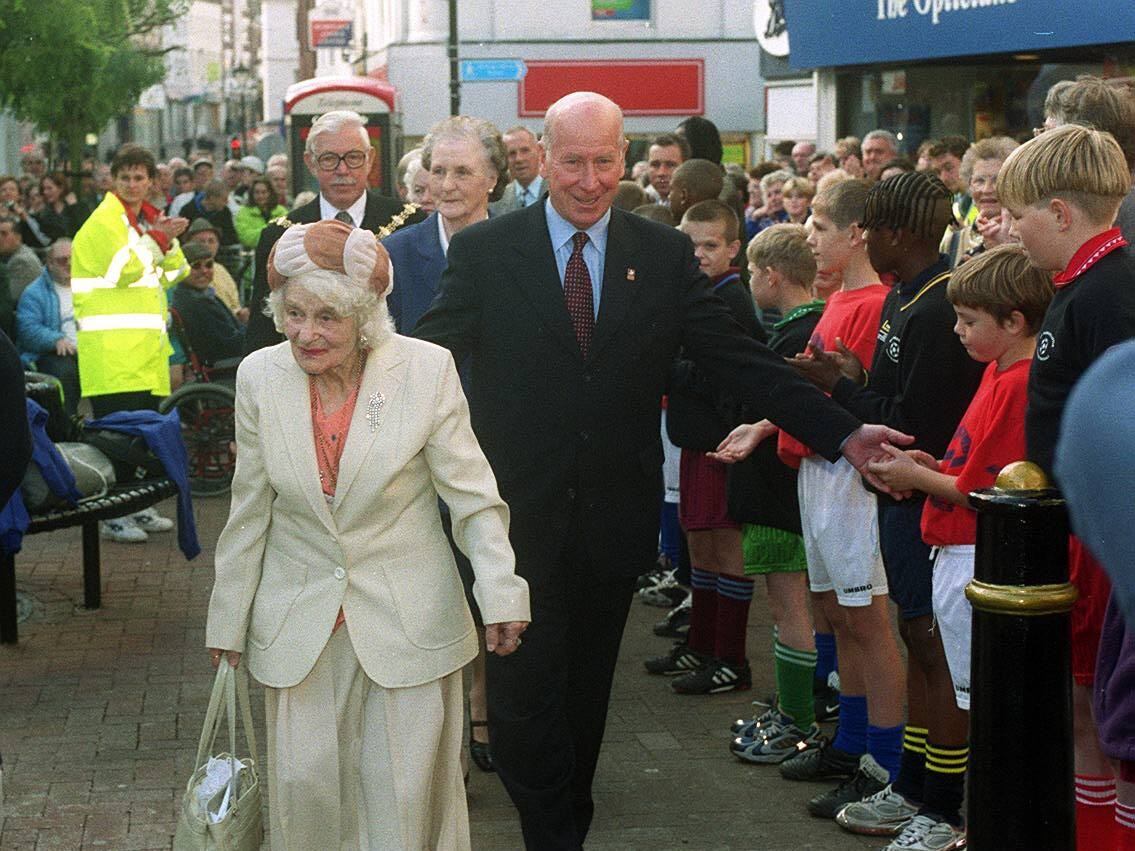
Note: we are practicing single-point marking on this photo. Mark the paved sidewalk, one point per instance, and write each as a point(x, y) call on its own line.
point(100, 714)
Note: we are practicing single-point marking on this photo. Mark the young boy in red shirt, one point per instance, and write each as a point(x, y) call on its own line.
point(1063, 190)
point(1000, 301)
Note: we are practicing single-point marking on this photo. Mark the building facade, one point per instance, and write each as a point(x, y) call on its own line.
point(929, 68)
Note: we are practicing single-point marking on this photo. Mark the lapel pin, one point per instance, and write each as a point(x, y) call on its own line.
point(374, 409)
point(630, 274)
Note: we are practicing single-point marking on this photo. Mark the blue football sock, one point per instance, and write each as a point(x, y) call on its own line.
point(885, 745)
point(825, 655)
point(851, 736)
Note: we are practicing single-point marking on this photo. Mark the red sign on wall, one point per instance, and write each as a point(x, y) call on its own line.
point(639, 86)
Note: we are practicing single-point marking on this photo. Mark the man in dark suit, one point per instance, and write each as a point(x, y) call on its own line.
point(573, 313)
point(339, 155)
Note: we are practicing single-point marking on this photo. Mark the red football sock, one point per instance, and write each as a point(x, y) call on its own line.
point(1096, 828)
point(1124, 827)
point(734, 594)
point(703, 611)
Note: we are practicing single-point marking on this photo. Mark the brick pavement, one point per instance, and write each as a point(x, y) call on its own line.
point(100, 714)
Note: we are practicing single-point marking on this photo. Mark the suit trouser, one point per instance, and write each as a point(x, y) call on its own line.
point(353, 765)
point(548, 700)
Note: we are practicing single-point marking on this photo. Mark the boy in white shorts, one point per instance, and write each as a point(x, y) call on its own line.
point(841, 533)
point(1000, 301)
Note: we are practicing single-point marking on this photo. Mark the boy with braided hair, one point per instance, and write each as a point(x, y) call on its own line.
point(921, 381)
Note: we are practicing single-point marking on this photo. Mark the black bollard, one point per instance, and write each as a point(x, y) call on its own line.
point(1020, 784)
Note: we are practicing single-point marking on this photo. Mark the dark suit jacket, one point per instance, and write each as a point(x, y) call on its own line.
point(261, 332)
point(575, 443)
point(418, 262)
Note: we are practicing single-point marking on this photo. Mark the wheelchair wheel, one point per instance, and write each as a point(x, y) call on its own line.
point(208, 424)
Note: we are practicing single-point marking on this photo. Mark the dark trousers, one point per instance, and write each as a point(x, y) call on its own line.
point(140, 400)
point(548, 700)
point(66, 369)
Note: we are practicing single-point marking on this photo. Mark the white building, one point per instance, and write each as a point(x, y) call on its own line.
point(680, 59)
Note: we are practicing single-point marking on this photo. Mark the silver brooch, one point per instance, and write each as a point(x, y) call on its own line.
point(374, 408)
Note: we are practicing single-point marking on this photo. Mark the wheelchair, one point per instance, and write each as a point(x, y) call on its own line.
point(206, 404)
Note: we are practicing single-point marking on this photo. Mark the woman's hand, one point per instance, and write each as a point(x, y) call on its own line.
point(740, 443)
point(504, 638)
point(994, 231)
point(215, 656)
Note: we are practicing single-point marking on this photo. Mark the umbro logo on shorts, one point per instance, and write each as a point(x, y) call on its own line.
point(858, 589)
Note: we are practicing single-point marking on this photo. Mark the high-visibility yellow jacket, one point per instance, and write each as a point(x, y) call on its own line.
point(119, 279)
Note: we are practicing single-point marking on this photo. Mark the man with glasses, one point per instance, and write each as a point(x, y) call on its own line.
point(339, 155)
point(214, 333)
point(45, 324)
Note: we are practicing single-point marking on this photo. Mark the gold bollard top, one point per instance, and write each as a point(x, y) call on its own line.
point(1021, 476)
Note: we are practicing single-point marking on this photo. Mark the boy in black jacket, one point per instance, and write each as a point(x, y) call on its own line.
point(712, 658)
point(1063, 190)
point(921, 381)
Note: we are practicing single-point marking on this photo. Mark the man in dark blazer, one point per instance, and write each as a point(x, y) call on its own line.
point(339, 155)
point(568, 416)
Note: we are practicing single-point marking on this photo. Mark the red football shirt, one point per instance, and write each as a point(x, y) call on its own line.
point(990, 435)
point(853, 317)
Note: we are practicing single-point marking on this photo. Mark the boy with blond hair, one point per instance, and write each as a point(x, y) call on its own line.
point(1000, 301)
point(1063, 190)
point(762, 496)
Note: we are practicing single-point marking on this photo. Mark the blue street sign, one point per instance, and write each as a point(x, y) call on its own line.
point(492, 70)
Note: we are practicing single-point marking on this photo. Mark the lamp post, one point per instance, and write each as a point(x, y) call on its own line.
point(241, 77)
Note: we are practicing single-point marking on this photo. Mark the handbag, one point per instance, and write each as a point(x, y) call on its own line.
point(94, 474)
point(220, 810)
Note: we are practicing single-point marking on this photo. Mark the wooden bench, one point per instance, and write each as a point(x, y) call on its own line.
point(119, 501)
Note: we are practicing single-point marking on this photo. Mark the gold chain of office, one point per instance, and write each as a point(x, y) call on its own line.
point(395, 221)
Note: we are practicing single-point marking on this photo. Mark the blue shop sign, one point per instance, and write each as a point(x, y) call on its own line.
point(829, 33)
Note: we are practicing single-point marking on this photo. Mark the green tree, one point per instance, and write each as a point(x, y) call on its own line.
point(70, 66)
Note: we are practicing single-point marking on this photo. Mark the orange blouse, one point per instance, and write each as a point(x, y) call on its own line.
point(330, 435)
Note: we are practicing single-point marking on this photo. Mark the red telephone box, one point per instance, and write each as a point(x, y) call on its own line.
point(373, 99)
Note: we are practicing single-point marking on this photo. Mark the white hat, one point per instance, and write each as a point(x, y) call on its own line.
point(333, 245)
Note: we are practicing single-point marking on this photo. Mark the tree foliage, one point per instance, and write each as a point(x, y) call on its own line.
point(70, 66)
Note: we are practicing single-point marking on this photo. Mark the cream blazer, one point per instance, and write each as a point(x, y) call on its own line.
point(287, 560)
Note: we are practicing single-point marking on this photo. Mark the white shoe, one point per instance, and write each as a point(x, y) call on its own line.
point(150, 521)
point(123, 531)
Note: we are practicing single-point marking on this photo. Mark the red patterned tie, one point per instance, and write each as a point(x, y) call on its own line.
point(577, 294)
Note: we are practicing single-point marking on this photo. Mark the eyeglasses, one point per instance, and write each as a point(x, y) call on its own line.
point(202, 264)
point(330, 161)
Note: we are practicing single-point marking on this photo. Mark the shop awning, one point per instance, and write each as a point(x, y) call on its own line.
point(825, 33)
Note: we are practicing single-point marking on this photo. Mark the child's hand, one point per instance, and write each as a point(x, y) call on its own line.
point(849, 363)
point(900, 471)
point(922, 459)
point(824, 369)
point(740, 443)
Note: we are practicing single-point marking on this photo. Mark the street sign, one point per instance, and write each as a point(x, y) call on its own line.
point(330, 32)
point(492, 70)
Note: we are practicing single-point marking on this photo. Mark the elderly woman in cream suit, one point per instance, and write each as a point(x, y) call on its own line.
point(334, 580)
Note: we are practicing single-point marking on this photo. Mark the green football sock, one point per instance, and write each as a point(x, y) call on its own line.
point(794, 672)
